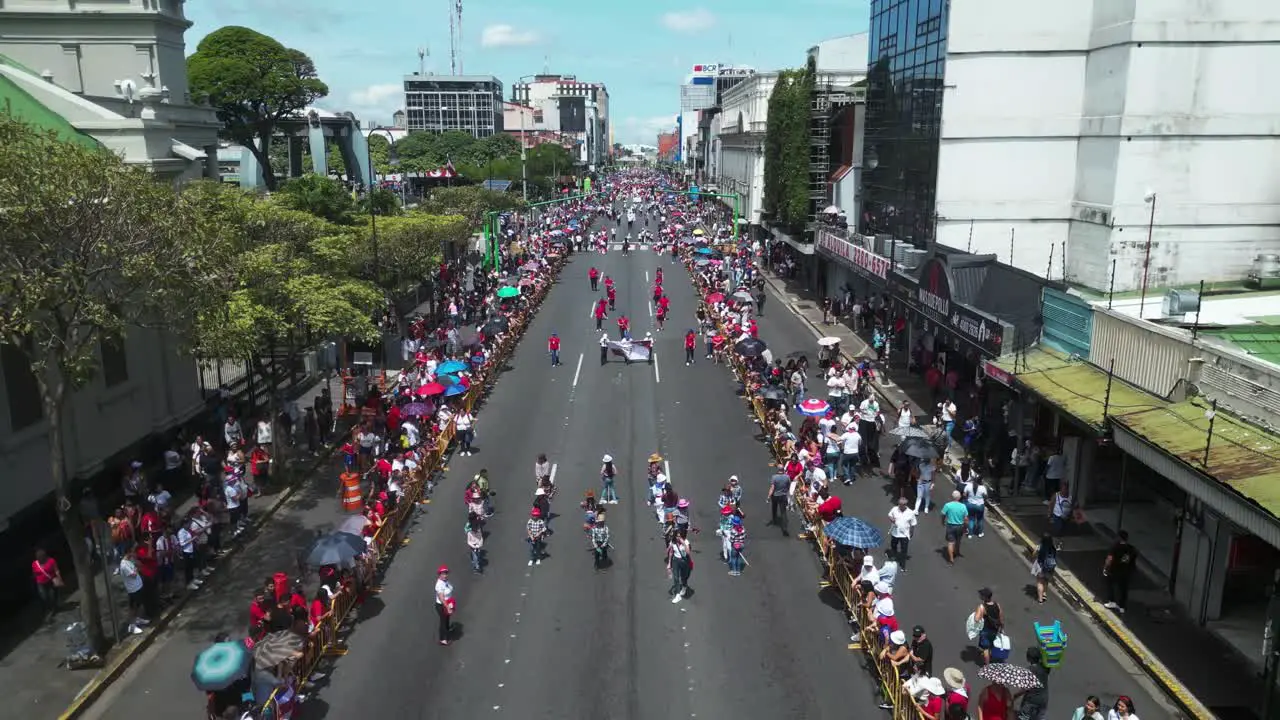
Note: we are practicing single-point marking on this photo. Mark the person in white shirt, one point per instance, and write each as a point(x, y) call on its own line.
point(947, 415)
point(905, 416)
point(889, 572)
point(132, 580)
point(463, 422)
point(444, 604)
point(262, 434)
point(868, 419)
point(903, 520)
point(869, 572)
point(411, 432)
point(187, 545)
point(850, 450)
point(975, 499)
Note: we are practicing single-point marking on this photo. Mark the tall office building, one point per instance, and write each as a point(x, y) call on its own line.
point(1114, 144)
point(438, 103)
point(907, 54)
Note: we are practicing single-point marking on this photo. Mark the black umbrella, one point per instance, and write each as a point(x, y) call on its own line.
point(335, 549)
point(750, 347)
point(497, 325)
point(917, 448)
point(468, 336)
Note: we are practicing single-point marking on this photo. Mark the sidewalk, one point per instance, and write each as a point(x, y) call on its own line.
point(32, 678)
point(1188, 662)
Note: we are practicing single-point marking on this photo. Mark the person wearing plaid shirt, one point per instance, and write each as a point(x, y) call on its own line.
point(536, 529)
point(737, 541)
point(600, 542)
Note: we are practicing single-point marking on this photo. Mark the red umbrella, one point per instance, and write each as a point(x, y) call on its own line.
point(430, 389)
point(715, 297)
point(464, 381)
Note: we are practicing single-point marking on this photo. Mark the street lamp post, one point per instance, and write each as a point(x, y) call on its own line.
point(524, 142)
point(1150, 199)
point(392, 160)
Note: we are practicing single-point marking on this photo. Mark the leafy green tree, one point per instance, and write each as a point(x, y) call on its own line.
point(94, 250)
point(409, 248)
point(471, 202)
point(382, 202)
point(498, 146)
point(322, 197)
point(252, 81)
point(380, 153)
point(336, 164)
point(287, 270)
point(786, 151)
point(418, 151)
point(550, 160)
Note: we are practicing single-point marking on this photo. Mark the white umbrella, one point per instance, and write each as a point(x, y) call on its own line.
point(743, 221)
point(831, 210)
point(828, 341)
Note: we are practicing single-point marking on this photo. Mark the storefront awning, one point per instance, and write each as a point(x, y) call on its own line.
point(800, 247)
point(1075, 387)
point(1243, 460)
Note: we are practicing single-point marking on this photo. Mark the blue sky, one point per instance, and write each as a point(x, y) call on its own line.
point(641, 51)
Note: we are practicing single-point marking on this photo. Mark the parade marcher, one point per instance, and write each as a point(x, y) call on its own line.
point(679, 566)
point(604, 349)
point(553, 349)
point(445, 604)
point(737, 542)
point(608, 475)
point(593, 275)
point(600, 543)
point(535, 535)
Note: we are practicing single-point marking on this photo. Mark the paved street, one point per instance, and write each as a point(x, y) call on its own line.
point(560, 640)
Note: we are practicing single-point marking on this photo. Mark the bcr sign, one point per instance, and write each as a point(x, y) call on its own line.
point(856, 255)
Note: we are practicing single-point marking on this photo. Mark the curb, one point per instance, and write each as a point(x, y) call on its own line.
point(1072, 589)
point(1065, 582)
point(115, 668)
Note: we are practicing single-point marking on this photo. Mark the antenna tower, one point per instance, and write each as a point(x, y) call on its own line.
point(422, 59)
point(453, 45)
point(458, 6)
point(546, 64)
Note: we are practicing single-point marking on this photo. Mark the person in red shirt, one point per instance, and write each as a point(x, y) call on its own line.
point(594, 276)
point(828, 505)
point(259, 611)
point(149, 568)
point(664, 302)
point(553, 347)
point(394, 418)
point(658, 276)
point(601, 314)
point(319, 606)
point(690, 345)
point(612, 294)
point(624, 327)
point(657, 291)
point(661, 316)
point(608, 283)
point(48, 579)
point(794, 468)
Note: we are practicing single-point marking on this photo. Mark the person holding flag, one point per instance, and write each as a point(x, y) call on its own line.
point(553, 349)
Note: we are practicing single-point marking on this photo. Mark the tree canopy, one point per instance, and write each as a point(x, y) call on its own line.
point(493, 157)
point(786, 148)
point(252, 81)
point(95, 251)
point(470, 201)
point(323, 197)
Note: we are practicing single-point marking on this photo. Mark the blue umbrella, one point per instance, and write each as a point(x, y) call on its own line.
point(705, 251)
point(453, 390)
point(451, 367)
point(854, 533)
point(221, 665)
point(447, 380)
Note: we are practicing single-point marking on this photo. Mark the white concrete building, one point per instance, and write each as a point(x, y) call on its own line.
point(576, 110)
point(1058, 125)
point(116, 71)
point(744, 116)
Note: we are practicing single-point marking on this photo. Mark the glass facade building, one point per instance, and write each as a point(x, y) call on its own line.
point(908, 50)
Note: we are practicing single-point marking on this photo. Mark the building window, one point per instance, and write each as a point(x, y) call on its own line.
point(25, 405)
point(115, 361)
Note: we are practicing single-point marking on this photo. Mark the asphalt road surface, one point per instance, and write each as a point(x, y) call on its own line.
point(560, 640)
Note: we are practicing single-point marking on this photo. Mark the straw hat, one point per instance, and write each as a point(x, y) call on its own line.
point(655, 458)
point(954, 678)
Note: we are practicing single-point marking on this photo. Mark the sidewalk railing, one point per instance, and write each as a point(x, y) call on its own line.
point(324, 639)
point(837, 573)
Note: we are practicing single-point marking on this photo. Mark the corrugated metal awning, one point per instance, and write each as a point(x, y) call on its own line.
point(1220, 498)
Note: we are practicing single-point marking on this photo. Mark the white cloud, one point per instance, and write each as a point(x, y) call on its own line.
point(689, 21)
point(496, 36)
point(375, 103)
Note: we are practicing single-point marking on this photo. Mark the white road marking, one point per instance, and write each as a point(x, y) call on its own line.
point(553, 482)
point(578, 371)
point(650, 308)
point(591, 311)
point(666, 464)
point(646, 276)
point(657, 376)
